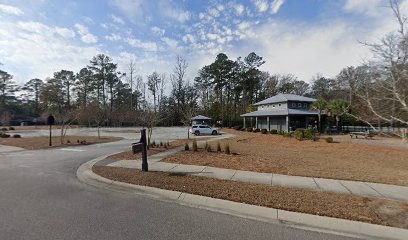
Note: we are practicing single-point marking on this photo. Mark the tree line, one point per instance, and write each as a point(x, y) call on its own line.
point(375, 92)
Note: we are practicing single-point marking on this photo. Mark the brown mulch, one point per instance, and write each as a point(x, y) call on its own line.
point(33, 143)
point(277, 154)
point(298, 200)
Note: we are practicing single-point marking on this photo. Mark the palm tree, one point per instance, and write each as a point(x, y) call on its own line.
point(320, 105)
point(337, 108)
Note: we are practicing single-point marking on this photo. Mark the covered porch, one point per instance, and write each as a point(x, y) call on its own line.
point(280, 123)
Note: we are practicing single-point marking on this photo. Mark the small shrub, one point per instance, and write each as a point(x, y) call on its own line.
point(165, 146)
point(68, 141)
point(4, 129)
point(257, 130)
point(237, 128)
point(274, 131)
point(227, 149)
point(78, 141)
point(264, 131)
point(4, 135)
point(299, 134)
point(83, 142)
point(218, 147)
point(242, 129)
point(309, 133)
point(329, 140)
point(16, 136)
point(186, 147)
point(154, 144)
point(195, 148)
point(11, 128)
point(249, 129)
point(161, 144)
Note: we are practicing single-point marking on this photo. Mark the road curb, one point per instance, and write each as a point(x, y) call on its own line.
point(295, 219)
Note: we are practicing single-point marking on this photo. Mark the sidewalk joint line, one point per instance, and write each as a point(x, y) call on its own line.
point(374, 189)
point(345, 187)
point(233, 174)
point(317, 185)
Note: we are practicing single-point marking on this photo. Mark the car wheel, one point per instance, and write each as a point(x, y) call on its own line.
point(214, 132)
point(197, 132)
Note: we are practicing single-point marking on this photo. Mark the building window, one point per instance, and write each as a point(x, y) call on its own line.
point(299, 105)
point(280, 104)
point(305, 105)
point(273, 105)
point(293, 104)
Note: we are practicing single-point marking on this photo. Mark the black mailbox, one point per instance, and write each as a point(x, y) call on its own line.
point(137, 148)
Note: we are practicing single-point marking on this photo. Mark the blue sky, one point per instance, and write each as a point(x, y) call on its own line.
point(302, 37)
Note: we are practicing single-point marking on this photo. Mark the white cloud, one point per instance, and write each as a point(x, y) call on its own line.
point(147, 46)
point(211, 36)
point(65, 32)
point(113, 37)
point(158, 31)
point(188, 38)
point(276, 5)
point(8, 9)
point(244, 25)
point(239, 9)
point(170, 42)
point(117, 19)
point(261, 5)
point(34, 50)
point(214, 12)
point(86, 36)
point(220, 7)
point(292, 48)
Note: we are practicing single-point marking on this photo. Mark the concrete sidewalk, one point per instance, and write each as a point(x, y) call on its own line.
point(6, 149)
point(366, 189)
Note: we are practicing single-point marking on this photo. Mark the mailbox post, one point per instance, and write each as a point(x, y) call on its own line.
point(141, 146)
point(50, 121)
point(144, 150)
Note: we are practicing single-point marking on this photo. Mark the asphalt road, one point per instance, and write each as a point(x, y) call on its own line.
point(41, 198)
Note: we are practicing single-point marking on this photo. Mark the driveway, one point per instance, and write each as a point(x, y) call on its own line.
point(41, 198)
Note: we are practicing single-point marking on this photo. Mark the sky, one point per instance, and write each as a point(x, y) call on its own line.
point(301, 37)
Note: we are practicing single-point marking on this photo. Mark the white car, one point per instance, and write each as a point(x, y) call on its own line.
point(203, 129)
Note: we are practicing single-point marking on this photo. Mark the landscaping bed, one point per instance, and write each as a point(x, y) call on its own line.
point(384, 212)
point(273, 153)
point(128, 155)
point(33, 143)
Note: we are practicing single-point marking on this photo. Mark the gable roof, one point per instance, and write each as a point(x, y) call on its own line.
point(200, 117)
point(281, 97)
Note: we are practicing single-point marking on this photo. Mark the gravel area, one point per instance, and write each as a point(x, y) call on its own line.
point(277, 154)
point(319, 203)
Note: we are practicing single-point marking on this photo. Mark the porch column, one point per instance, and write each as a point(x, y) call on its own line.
point(244, 122)
point(256, 122)
point(287, 123)
point(267, 122)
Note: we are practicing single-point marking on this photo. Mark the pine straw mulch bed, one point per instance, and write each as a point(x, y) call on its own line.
point(128, 155)
point(377, 211)
point(33, 143)
point(277, 154)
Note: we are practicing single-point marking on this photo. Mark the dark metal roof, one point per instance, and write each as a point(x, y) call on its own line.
point(200, 117)
point(285, 98)
point(283, 112)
